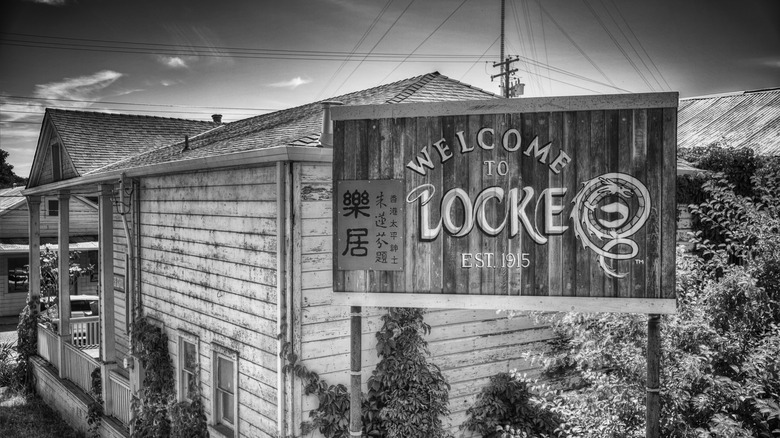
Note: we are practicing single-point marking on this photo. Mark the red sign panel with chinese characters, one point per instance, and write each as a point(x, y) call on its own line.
point(371, 225)
point(553, 204)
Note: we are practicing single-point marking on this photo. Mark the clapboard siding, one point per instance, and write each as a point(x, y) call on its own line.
point(83, 220)
point(469, 345)
point(208, 247)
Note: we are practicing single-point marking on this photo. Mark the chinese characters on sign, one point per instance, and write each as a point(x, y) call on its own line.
point(370, 225)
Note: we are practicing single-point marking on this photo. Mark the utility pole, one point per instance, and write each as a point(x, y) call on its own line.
point(505, 64)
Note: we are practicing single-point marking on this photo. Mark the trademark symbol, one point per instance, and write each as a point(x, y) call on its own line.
point(639, 262)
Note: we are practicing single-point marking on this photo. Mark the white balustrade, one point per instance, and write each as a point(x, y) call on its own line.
point(79, 367)
point(49, 346)
point(85, 332)
point(118, 403)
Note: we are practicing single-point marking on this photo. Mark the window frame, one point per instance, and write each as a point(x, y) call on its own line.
point(181, 387)
point(218, 422)
point(53, 212)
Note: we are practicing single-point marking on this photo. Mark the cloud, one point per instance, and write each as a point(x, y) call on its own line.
point(292, 83)
point(50, 2)
point(173, 61)
point(79, 88)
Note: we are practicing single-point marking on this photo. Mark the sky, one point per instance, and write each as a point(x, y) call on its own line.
point(239, 58)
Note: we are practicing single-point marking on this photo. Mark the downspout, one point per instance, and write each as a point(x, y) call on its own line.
point(129, 260)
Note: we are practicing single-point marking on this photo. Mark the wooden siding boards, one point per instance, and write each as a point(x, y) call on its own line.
point(469, 345)
point(208, 262)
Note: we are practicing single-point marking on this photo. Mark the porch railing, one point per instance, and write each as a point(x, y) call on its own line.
point(85, 332)
point(118, 403)
point(79, 367)
point(49, 346)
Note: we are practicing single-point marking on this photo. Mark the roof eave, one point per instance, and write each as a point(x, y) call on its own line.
point(245, 158)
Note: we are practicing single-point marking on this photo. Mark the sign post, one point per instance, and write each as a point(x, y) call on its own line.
point(554, 204)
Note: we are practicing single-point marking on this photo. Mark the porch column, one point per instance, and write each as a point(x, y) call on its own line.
point(63, 268)
point(34, 232)
point(106, 273)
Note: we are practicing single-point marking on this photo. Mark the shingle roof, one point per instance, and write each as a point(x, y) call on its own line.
point(747, 119)
point(299, 126)
point(94, 139)
point(10, 198)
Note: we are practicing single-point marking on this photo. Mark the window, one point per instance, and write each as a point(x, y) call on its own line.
point(188, 366)
point(225, 383)
point(54, 207)
point(17, 274)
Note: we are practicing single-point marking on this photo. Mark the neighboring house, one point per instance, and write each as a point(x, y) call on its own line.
point(230, 234)
point(747, 119)
point(14, 244)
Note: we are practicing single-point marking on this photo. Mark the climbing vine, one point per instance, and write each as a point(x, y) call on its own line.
point(151, 404)
point(95, 409)
point(407, 396)
point(157, 413)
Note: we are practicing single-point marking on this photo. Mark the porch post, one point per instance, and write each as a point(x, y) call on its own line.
point(34, 231)
point(63, 268)
point(106, 273)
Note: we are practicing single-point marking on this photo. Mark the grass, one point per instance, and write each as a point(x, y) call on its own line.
point(29, 417)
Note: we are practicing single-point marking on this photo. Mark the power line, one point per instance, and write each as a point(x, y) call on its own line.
point(483, 54)
point(134, 103)
point(354, 49)
point(426, 39)
point(630, 44)
point(577, 46)
point(118, 109)
point(374, 46)
point(641, 46)
point(617, 44)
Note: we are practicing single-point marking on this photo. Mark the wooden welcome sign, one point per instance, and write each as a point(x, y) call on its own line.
point(563, 203)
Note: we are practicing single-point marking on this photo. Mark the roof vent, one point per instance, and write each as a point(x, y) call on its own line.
point(326, 138)
point(217, 118)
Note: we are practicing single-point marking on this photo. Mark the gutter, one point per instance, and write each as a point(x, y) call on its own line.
point(245, 158)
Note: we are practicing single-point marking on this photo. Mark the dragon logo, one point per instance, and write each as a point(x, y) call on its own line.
point(608, 210)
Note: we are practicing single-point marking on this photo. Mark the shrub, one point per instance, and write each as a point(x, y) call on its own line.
point(719, 368)
point(508, 405)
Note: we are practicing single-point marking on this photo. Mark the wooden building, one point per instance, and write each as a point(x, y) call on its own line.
point(14, 244)
point(230, 244)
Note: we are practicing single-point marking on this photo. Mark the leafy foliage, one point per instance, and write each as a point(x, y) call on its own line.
point(407, 396)
point(157, 413)
point(27, 329)
point(509, 406)
point(719, 369)
point(738, 165)
point(412, 394)
point(95, 409)
point(7, 176)
point(151, 407)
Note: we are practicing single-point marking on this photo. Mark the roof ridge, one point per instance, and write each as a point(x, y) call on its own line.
point(732, 94)
point(103, 113)
point(413, 87)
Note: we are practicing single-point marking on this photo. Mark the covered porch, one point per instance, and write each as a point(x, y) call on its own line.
point(77, 350)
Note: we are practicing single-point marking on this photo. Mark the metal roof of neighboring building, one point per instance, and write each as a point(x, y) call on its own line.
point(11, 198)
point(299, 126)
point(747, 119)
point(94, 139)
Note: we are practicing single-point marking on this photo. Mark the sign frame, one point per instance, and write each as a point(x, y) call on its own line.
point(650, 118)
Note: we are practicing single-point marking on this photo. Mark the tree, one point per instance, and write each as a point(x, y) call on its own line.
point(7, 176)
